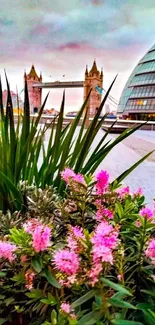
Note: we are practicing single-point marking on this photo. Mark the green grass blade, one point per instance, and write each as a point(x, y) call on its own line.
point(91, 133)
point(26, 118)
point(13, 189)
point(69, 139)
point(94, 162)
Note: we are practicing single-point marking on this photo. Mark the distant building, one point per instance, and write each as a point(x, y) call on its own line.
point(138, 97)
point(15, 103)
point(113, 113)
point(51, 111)
point(93, 80)
point(35, 94)
point(71, 114)
point(107, 108)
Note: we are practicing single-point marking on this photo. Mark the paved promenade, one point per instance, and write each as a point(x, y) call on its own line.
point(123, 156)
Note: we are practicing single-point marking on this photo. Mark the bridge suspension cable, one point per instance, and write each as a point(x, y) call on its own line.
point(115, 101)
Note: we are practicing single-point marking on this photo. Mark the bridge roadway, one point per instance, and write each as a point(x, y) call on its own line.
point(60, 84)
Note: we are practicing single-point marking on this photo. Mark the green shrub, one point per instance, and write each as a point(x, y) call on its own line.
point(99, 271)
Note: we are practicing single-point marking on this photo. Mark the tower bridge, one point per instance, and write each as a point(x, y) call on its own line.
point(93, 79)
point(60, 84)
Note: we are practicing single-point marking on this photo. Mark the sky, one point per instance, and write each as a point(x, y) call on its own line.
point(61, 36)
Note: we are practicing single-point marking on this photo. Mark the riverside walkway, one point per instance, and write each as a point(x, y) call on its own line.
point(125, 154)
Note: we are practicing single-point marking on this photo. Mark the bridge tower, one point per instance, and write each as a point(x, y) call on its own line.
point(93, 78)
point(35, 93)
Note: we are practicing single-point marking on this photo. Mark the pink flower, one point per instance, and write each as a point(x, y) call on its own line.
point(41, 238)
point(98, 203)
point(74, 238)
point(7, 251)
point(150, 251)
point(79, 179)
point(138, 192)
point(105, 239)
point(124, 191)
point(30, 225)
point(67, 309)
point(94, 273)
point(102, 253)
point(105, 234)
point(29, 277)
point(66, 261)
point(138, 223)
point(146, 213)
point(69, 175)
point(103, 212)
point(120, 277)
point(77, 231)
point(102, 181)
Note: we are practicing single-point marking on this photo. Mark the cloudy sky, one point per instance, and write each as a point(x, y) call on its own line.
point(61, 36)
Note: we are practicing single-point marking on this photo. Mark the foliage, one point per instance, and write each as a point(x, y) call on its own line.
point(99, 271)
point(22, 146)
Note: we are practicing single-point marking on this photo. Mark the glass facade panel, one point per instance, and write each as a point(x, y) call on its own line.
point(144, 91)
point(140, 104)
point(146, 67)
point(141, 79)
point(149, 56)
point(152, 48)
point(139, 91)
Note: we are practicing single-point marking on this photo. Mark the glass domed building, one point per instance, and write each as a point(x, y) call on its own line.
point(138, 97)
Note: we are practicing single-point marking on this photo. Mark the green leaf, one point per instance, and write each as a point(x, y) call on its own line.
point(2, 274)
point(125, 322)
point(72, 321)
point(90, 318)
point(51, 279)
point(121, 303)
point(149, 292)
point(116, 287)
point(19, 278)
point(84, 298)
point(37, 263)
point(50, 300)
point(51, 297)
point(149, 318)
point(144, 306)
point(11, 187)
point(47, 302)
point(35, 294)
point(54, 317)
point(2, 321)
point(119, 209)
point(9, 301)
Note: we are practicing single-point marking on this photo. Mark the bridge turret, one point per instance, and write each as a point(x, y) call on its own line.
point(35, 93)
point(93, 81)
point(86, 72)
point(101, 74)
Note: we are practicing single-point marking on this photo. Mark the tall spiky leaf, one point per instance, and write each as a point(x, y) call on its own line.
point(26, 118)
point(1, 100)
point(90, 134)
